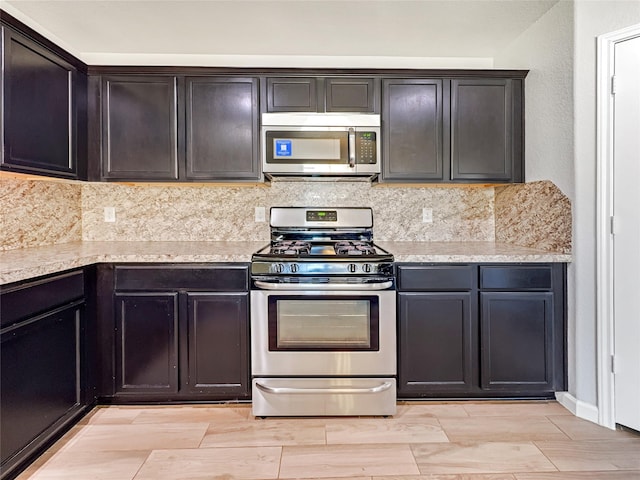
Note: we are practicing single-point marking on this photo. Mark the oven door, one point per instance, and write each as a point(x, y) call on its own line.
point(323, 332)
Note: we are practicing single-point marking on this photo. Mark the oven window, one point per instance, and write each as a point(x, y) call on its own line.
point(335, 323)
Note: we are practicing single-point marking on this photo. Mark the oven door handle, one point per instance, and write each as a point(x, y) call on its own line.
point(323, 286)
point(342, 390)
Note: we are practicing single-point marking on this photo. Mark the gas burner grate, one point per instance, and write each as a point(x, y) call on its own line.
point(291, 247)
point(354, 248)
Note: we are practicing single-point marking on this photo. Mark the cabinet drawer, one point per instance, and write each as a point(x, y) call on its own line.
point(436, 277)
point(220, 278)
point(28, 299)
point(522, 277)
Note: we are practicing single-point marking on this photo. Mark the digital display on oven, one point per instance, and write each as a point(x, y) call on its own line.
point(322, 216)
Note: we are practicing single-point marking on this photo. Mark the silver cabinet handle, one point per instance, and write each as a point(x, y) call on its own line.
point(342, 390)
point(323, 286)
point(352, 147)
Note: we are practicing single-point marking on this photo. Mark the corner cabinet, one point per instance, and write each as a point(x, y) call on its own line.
point(40, 96)
point(174, 332)
point(453, 130)
point(174, 128)
point(44, 367)
point(481, 330)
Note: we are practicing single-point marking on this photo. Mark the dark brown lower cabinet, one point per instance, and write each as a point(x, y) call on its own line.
point(481, 330)
point(517, 338)
point(146, 342)
point(175, 333)
point(43, 364)
point(437, 349)
point(217, 358)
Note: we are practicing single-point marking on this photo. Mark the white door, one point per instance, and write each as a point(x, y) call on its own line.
point(626, 240)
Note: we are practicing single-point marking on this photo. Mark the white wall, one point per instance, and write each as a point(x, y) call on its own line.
point(560, 51)
point(546, 49)
point(592, 18)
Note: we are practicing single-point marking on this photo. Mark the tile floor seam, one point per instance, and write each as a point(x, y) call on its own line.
point(141, 465)
point(280, 461)
point(545, 456)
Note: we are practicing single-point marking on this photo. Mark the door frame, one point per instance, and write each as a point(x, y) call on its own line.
point(604, 211)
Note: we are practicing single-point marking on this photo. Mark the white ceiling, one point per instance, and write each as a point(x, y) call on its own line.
point(215, 31)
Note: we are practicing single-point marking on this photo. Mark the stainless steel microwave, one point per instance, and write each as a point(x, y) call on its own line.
point(320, 144)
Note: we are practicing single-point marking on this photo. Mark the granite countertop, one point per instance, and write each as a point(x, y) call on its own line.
point(474, 252)
point(21, 264)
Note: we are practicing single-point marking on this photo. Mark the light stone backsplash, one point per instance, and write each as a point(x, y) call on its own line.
point(536, 215)
point(36, 213)
point(44, 212)
point(202, 213)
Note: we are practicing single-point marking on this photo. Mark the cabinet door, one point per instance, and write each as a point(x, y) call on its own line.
point(146, 342)
point(139, 128)
point(437, 343)
point(292, 95)
point(218, 359)
point(41, 377)
point(482, 132)
point(39, 109)
point(517, 341)
point(413, 145)
point(222, 128)
point(351, 95)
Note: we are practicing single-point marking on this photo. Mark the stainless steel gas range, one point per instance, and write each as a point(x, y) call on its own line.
point(323, 316)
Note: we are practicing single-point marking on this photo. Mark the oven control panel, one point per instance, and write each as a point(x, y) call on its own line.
point(321, 268)
point(322, 216)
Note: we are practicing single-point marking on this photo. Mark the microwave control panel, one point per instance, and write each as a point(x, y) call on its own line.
point(366, 147)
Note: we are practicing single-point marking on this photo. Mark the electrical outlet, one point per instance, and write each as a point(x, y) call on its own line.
point(260, 214)
point(427, 215)
point(110, 214)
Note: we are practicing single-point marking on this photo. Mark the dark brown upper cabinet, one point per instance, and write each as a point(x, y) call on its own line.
point(320, 94)
point(352, 95)
point(292, 95)
point(486, 129)
point(453, 130)
point(222, 128)
point(139, 127)
point(412, 121)
point(40, 121)
point(177, 128)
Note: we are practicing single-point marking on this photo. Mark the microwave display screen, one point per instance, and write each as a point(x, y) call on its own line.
point(307, 148)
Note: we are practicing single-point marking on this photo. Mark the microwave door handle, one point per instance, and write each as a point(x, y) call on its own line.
point(352, 147)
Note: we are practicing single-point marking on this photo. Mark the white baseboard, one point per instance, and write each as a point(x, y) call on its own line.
point(579, 408)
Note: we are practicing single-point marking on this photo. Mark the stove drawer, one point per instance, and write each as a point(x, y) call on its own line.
point(323, 396)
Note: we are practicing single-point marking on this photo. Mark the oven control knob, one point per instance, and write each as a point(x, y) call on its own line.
point(278, 268)
point(366, 268)
point(294, 268)
point(352, 267)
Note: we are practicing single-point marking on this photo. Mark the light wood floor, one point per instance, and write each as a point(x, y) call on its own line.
point(436, 441)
